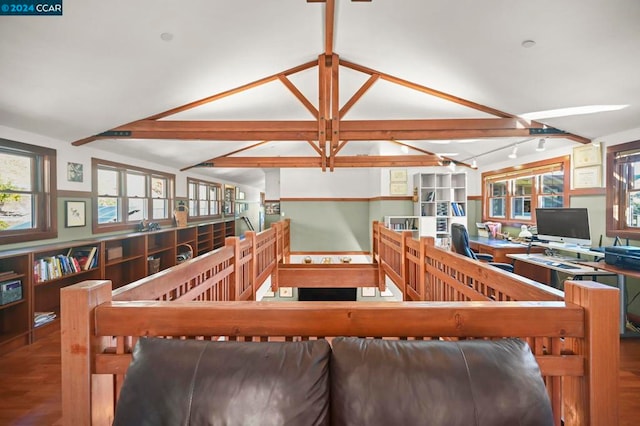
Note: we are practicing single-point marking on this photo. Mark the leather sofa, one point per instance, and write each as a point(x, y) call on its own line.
point(350, 381)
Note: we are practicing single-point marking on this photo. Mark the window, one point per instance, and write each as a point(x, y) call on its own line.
point(623, 190)
point(204, 199)
point(511, 196)
point(27, 192)
point(125, 195)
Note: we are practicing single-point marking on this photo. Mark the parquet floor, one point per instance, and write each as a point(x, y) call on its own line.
point(30, 383)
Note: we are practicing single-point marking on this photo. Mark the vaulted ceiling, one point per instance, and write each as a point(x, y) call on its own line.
point(230, 87)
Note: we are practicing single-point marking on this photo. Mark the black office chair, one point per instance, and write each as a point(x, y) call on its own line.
point(460, 245)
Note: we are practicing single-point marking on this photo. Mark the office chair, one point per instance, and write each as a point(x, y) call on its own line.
point(460, 245)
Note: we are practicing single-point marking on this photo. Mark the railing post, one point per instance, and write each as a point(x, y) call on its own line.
point(82, 390)
point(592, 399)
point(422, 270)
point(234, 288)
point(404, 264)
point(253, 262)
point(278, 231)
point(287, 241)
point(375, 243)
point(429, 244)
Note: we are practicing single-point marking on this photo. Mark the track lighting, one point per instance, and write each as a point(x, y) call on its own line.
point(474, 164)
point(452, 166)
point(514, 152)
point(541, 143)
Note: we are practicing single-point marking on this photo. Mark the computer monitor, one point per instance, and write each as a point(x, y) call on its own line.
point(568, 226)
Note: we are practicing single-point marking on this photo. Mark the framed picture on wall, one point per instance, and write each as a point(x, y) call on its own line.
point(397, 188)
point(75, 172)
point(587, 177)
point(587, 155)
point(75, 214)
point(272, 207)
point(398, 175)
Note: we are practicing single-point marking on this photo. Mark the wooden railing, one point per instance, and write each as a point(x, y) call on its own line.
point(575, 341)
point(574, 335)
point(425, 272)
point(232, 272)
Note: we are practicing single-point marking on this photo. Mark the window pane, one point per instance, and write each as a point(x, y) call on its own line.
point(549, 201)
point(16, 172)
point(498, 207)
point(202, 192)
point(108, 182)
point(108, 210)
point(16, 211)
point(192, 208)
point(136, 185)
point(158, 187)
point(553, 183)
point(160, 208)
point(633, 218)
point(635, 176)
point(523, 186)
point(137, 209)
point(498, 189)
point(521, 208)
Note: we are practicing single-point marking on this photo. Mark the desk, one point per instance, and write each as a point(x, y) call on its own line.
point(622, 275)
point(550, 263)
point(499, 249)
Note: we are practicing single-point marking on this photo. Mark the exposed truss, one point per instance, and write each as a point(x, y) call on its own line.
point(327, 132)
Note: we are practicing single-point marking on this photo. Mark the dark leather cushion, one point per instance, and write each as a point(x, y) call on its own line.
point(473, 382)
point(180, 382)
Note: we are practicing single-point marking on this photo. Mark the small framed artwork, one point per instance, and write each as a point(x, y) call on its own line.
point(75, 172)
point(587, 155)
point(75, 214)
point(587, 177)
point(398, 175)
point(272, 207)
point(397, 188)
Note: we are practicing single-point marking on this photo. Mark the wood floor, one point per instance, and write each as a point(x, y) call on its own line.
point(30, 383)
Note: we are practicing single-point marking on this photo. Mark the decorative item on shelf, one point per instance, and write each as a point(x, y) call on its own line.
point(145, 225)
point(181, 215)
point(10, 291)
point(415, 194)
point(307, 259)
point(326, 260)
point(154, 265)
point(345, 259)
point(185, 252)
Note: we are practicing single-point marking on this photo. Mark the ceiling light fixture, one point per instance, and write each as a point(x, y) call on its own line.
point(528, 43)
point(166, 36)
point(514, 152)
point(541, 143)
point(404, 149)
point(452, 166)
point(474, 164)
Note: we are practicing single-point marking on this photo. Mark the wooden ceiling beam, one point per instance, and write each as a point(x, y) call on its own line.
point(314, 162)
point(356, 96)
point(227, 154)
point(209, 99)
point(335, 110)
point(298, 94)
point(329, 21)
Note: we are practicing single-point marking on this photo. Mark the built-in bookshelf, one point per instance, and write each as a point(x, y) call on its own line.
point(441, 201)
point(31, 278)
point(403, 223)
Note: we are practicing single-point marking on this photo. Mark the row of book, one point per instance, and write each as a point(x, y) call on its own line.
point(76, 260)
point(457, 209)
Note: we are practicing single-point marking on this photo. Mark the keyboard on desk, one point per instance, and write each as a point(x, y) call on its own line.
point(552, 262)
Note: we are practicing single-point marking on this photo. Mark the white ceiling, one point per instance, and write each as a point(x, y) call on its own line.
point(103, 64)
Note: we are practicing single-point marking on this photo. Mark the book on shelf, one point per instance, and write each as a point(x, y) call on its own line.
point(40, 318)
point(86, 256)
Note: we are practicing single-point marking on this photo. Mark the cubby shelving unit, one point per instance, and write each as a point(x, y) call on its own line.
point(441, 201)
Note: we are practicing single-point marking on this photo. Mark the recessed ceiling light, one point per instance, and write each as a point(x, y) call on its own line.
point(528, 43)
point(166, 36)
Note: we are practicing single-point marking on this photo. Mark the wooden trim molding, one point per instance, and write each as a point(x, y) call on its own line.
point(474, 197)
point(587, 191)
point(367, 199)
point(74, 194)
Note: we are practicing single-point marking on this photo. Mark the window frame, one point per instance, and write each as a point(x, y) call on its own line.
point(209, 185)
point(510, 174)
point(44, 192)
point(122, 170)
point(617, 191)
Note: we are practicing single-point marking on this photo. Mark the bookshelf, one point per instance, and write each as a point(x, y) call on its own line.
point(120, 258)
point(403, 223)
point(441, 201)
